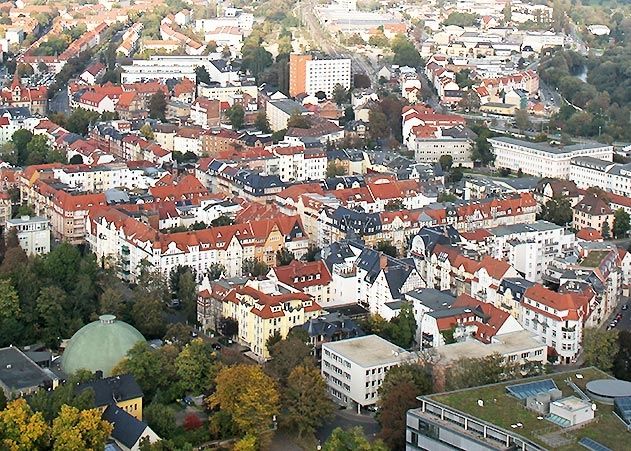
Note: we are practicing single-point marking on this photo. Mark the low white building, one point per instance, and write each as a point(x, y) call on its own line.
point(542, 159)
point(33, 233)
point(163, 68)
point(354, 369)
point(279, 111)
point(613, 177)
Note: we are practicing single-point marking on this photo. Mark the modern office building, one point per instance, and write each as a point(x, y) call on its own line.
point(354, 369)
point(165, 68)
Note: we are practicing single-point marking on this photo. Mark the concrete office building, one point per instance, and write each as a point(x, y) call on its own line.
point(542, 159)
point(354, 369)
point(164, 68)
point(33, 233)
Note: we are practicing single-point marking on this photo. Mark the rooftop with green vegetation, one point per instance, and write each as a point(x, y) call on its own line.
point(594, 258)
point(504, 410)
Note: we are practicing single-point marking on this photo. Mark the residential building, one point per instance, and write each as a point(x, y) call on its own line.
point(541, 159)
point(17, 95)
point(262, 308)
point(121, 391)
point(6, 207)
point(33, 234)
point(430, 143)
point(557, 318)
point(279, 111)
point(330, 327)
point(593, 212)
point(312, 278)
point(128, 431)
point(354, 369)
point(310, 76)
point(612, 177)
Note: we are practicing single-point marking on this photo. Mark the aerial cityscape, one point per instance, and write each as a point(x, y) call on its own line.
point(285, 225)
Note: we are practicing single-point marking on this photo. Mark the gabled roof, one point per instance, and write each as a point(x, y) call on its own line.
point(126, 428)
point(301, 275)
point(111, 390)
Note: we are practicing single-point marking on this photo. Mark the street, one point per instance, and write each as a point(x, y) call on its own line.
point(60, 102)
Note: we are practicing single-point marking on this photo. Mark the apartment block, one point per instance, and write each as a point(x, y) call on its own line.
point(33, 233)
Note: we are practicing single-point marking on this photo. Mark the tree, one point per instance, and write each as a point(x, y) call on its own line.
point(158, 106)
point(284, 257)
point(187, 294)
point(147, 131)
point(397, 394)
point(192, 422)
point(247, 443)
point(21, 429)
point(111, 302)
point(622, 362)
point(38, 151)
point(297, 120)
point(196, 366)
point(600, 348)
point(522, 119)
point(261, 122)
point(228, 327)
point(80, 120)
point(161, 419)
point(216, 271)
point(472, 372)
point(351, 439)
point(463, 79)
point(606, 230)
point(20, 140)
point(461, 19)
point(387, 248)
point(287, 354)
point(334, 170)
point(446, 196)
point(405, 54)
point(77, 430)
point(306, 401)
point(222, 220)
point(340, 95)
point(446, 161)
point(51, 314)
point(402, 328)
point(179, 334)
point(249, 395)
point(256, 59)
point(10, 314)
point(312, 253)
point(621, 223)
point(202, 75)
point(557, 210)
point(236, 116)
point(254, 268)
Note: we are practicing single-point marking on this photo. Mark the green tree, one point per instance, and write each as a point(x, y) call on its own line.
point(80, 120)
point(403, 327)
point(158, 106)
point(397, 394)
point(284, 257)
point(216, 271)
point(351, 439)
point(10, 313)
point(256, 60)
point(261, 122)
point(405, 54)
point(187, 294)
point(161, 419)
point(51, 315)
point(522, 119)
point(147, 131)
point(472, 372)
point(334, 170)
point(249, 395)
point(600, 348)
point(340, 95)
point(312, 253)
point(461, 19)
point(387, 248)
point(196, 366)
point(298, 120)
point(378, 124)
point(236, 115)
point(557, 210)
point(306, 403)
point(622, 362)
point(621, 223)
point(606, 230)
point(111, 302)
point(446, 161)
point(76, 430)
point(287, 354)
point(49, 403)
point(21, 429)
point(202, 75)
point(254, 267)
point(20, 140)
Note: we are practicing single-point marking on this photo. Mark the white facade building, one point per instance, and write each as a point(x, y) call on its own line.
point(354, 369)
point(544, 160)
point(323, 75)
point(530, 248)
point(163, 68)
point(33, 233)
point(613, 177)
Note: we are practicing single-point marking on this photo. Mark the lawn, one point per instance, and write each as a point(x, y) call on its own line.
point(504, 410)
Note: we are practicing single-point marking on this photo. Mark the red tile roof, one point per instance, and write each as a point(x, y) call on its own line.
point(301, 275)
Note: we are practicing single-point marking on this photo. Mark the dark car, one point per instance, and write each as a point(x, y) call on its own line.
point(216, 346)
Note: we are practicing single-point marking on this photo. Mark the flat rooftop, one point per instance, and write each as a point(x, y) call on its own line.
point(511, 343)
point(504, 410)
point(18, 372)
point(369, 351)
point(545, 147)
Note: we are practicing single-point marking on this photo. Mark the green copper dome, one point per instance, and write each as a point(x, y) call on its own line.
point(99, 345)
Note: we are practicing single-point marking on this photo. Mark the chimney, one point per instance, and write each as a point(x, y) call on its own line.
point(383, 261)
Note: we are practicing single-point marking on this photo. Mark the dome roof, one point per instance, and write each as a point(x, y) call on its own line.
point(99, 345)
